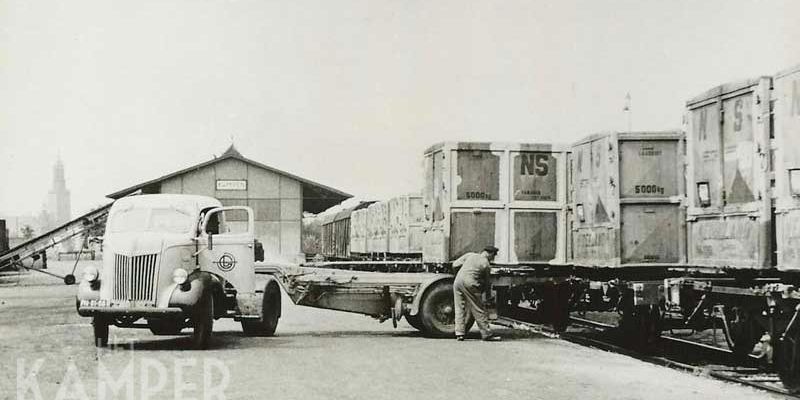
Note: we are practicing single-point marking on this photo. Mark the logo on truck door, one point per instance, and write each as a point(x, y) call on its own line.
point(226, 262)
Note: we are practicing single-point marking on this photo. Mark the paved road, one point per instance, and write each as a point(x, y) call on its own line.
point(316, 354)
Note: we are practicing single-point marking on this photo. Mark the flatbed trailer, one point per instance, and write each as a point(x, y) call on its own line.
point(425, 299)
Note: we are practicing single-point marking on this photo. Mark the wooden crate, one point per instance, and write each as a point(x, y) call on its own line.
point(406, 218)
point(378, 228)
point(786, 167)
point(479, 194)
point(728, 183)
point(358, 231)
point(627, 193)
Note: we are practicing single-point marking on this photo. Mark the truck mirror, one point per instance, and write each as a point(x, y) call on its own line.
point(211, 241)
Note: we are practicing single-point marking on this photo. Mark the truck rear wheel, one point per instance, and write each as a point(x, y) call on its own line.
point(270, 313)
point(203, 321)
point(100, 327)
point(437, 312)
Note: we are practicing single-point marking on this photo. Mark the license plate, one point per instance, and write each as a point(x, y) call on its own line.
point(117, 303)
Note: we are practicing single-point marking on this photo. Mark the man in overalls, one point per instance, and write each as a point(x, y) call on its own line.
point(471, 281)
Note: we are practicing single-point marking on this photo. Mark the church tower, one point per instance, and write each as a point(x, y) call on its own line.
point(58, 199)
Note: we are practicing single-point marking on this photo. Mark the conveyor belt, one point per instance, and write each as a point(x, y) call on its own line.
point(43, 242)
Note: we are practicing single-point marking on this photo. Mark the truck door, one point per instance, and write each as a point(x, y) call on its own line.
point(227, 233)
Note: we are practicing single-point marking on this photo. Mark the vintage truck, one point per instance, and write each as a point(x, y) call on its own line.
point(176, 261)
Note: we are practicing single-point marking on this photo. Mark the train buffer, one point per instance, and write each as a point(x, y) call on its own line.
point(38, 245)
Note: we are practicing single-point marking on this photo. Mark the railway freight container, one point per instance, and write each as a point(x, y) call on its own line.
point(328, 248)
point(358, 231)
point(628, 193)
point(728, 180)
point(378, 228)
point(786, 161)
point(512, 196)
point(406, 218)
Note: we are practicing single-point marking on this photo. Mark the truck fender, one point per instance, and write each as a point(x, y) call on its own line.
point(423, 288)
point(188, 294)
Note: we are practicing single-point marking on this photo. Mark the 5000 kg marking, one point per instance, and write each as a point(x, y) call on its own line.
point(648, 189)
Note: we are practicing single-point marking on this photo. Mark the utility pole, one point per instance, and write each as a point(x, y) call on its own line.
point(627, 109)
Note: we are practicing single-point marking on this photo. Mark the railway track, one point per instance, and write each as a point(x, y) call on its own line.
point(673, 352)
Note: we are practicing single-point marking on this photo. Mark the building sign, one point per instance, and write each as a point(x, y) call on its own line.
point(231, 185)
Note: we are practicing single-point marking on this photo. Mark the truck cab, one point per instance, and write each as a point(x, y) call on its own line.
point(178, 261)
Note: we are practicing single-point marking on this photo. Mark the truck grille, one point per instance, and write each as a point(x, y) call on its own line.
point(135, 277)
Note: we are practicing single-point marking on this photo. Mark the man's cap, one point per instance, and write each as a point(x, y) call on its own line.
point(491, 249)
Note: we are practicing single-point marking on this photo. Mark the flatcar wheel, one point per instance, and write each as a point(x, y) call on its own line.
point(556, 306)
point(743, 331)
point(787, 362)
point(641, 326)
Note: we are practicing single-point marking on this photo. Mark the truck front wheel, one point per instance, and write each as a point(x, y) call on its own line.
point(164, 326)
point(267, 323)
point(100, 326)
point(203, 321)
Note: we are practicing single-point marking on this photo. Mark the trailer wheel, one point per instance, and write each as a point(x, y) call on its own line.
point(100, 327)
point(437, 311)
point(203, 321)
point(270, 313)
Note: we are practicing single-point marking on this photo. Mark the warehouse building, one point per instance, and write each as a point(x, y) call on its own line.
point(277, 198)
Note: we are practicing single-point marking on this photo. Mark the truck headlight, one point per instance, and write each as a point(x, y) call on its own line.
point(179, 276)
point(90, 274)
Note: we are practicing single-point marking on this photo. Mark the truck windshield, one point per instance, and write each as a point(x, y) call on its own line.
point(151, 220)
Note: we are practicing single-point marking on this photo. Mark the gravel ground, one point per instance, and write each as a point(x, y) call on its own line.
point(316, 354)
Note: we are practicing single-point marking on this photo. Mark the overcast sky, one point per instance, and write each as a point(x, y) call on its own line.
point(347, 93)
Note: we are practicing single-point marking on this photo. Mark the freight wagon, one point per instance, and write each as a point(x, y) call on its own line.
point(742, 195)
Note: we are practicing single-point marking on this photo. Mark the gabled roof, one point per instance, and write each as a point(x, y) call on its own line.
point(324, 195)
